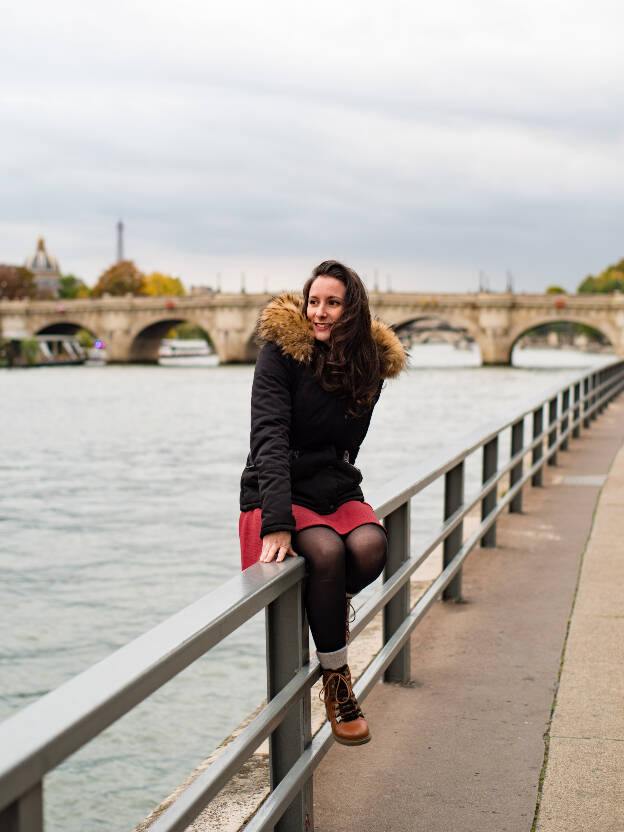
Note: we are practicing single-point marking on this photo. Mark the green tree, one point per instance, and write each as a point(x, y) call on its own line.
point(187, 331)
point(71, 287)
point(610, 280)
point(16, 283)
point(121, 279)
point(29, 348)
point(85, 339)
point(162, 284)
point(556, 290)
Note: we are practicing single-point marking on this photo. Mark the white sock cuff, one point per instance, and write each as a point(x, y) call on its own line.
point(330, 661)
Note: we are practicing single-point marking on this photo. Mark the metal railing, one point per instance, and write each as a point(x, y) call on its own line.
point(37, 739)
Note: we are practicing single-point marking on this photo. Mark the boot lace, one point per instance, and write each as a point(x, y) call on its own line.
point(337, 687)
point(350, 620)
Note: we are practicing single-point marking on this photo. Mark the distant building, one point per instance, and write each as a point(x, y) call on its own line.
point(202, 290)
point(45, 269)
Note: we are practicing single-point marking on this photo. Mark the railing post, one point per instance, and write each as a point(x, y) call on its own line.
point(517, 443)
point(565, 407)
point(586, 401)
point(538, 450)
point(397, 526)
point(602, 375)
point(552, 436)
point(25, 814)
point(287, 652)
point(453, 499)
point(488, 503)
point(576, 413)
point(594, 398)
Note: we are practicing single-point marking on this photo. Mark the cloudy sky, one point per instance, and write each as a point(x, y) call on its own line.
point(420, 142)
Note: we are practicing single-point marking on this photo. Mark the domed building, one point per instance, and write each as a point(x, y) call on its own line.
point(45, 269)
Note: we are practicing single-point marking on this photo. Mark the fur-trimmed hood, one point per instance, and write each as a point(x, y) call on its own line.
point(283, 322)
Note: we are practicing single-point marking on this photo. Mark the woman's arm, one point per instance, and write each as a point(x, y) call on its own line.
point(271, 408)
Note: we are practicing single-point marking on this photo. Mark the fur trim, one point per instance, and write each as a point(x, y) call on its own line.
point(283, 322)
point(392, 357)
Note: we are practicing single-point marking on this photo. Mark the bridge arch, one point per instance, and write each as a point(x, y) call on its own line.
point(252, 348)
point(63, 327)
point(603, 327)
point(455, 322)
point(144, 342)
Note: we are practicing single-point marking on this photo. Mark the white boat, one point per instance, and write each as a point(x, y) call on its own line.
point(184, 348)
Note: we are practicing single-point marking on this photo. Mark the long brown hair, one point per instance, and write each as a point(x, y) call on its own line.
point(349, 363)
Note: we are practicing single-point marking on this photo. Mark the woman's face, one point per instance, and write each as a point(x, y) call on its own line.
point(325, 305)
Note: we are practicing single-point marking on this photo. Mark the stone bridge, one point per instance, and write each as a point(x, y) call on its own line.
point(133, 327)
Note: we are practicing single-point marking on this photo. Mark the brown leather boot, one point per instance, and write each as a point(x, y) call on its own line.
point(343, 712)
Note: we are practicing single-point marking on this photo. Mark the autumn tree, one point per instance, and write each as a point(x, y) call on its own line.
point(610, 280)
point(70, 287)
point(17, 282)
point(121, 279)
point(162, 284)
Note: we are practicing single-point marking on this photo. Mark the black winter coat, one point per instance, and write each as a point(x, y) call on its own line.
point(303, 445)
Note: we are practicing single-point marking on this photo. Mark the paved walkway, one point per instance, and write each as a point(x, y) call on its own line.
point(463, 748)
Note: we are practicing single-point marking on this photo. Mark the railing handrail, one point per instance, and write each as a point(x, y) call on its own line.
point(39, 737)
point(415, 479)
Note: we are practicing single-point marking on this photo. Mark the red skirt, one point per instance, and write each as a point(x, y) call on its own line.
point(347, 517)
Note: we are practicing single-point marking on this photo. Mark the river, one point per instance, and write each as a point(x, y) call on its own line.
point(119, 506)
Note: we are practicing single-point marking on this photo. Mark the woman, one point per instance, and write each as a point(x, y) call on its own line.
point(317, 379)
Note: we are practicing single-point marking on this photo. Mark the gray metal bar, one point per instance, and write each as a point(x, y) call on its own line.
point(538, 450)
point(42, 735)
point(396, 491)
point(187, 807)
point(453, 499)
point(602, 378)
point(517, 443)
point(398, 528)
point(586, 403)
point(287, 651)
point(25, 814)
point(565, 408)
point(577, 409)
point(488, 503)
point(270, 810)
point(552, 421)
point(599, 378)
point(594, 395)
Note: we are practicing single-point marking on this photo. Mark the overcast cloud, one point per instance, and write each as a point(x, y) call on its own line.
point(425, 142)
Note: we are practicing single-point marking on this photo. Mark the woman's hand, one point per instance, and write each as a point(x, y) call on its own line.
point(276, 543)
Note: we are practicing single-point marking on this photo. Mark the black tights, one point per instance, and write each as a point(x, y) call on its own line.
point(337, 565)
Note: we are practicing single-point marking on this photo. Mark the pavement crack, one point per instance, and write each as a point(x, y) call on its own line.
point(599, 739)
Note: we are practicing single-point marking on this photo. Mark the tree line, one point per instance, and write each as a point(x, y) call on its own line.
point(19, 283)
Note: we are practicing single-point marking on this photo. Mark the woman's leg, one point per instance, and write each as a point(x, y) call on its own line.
point(325, 586)
point(325, 589)
point(366, 549)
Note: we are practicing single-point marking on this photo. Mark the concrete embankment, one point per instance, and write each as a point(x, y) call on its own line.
point(467, 745)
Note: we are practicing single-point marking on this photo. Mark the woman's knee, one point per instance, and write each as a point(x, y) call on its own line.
point(367, 548)
point(323, 551)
